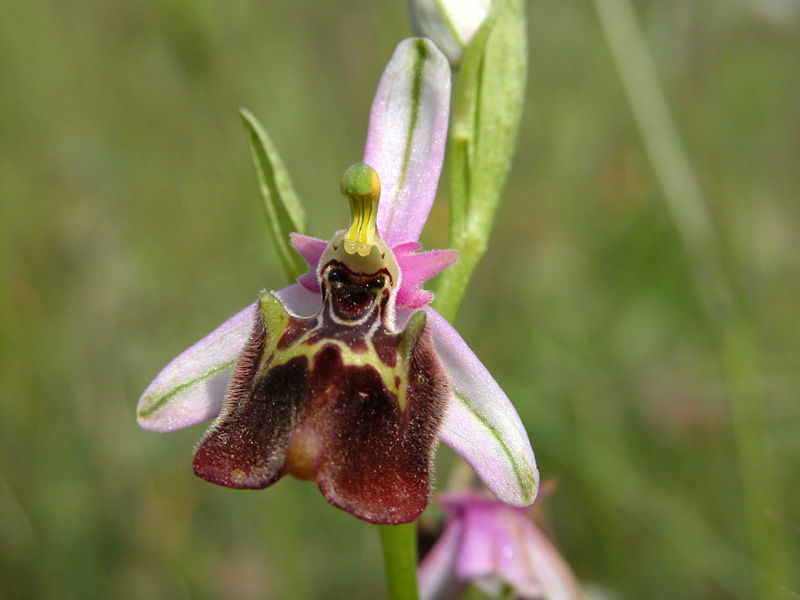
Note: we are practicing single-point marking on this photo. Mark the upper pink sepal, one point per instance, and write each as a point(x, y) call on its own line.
point(407, 135)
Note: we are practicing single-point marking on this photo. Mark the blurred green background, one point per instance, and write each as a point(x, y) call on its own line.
point(130, 227)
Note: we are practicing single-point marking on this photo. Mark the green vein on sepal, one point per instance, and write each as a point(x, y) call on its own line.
point(422, 55)
point(282, 207)
point(526, 479)
point(161, 401)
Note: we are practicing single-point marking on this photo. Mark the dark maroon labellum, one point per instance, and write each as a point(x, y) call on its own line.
point(337, 398)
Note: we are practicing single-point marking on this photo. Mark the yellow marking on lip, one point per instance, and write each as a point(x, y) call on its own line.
point(302, 347)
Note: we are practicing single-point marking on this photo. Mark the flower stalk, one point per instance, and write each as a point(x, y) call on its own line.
point(399, 544)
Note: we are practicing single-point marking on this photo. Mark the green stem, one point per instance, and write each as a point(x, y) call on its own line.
point(452, 287)
point(399, 544)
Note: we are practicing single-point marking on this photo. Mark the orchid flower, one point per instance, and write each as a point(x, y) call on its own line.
point(497, 548)
point(259, 372)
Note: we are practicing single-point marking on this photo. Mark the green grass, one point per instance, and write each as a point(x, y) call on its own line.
point(130, 227)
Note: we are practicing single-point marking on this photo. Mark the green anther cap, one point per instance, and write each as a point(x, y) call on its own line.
point(362, 187)
point(360, 248)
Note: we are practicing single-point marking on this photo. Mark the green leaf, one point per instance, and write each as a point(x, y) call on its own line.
point(281, 205)
point(485, 120)
point(463, 129)
point(499, 99)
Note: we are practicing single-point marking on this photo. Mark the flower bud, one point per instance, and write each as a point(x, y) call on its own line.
point(449, 23)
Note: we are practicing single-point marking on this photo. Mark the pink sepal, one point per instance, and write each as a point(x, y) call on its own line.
point(407, 135)
point(481, 424)
point(191, 388)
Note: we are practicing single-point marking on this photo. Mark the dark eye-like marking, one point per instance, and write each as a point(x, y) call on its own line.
point(334, 276)
point(377, 283)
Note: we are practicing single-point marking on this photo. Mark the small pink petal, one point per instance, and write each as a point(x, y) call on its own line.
point(406, 248)
point(406, 137)
point(311, 250)
point(309, 281)
point(479, 546)
point(492, 553)
point(418, 268)
point(413, 297)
